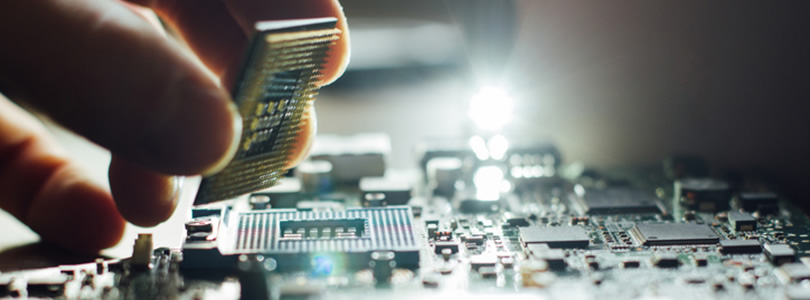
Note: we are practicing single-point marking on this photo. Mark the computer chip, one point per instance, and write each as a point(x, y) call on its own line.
point(276, 84)
point(617, 201)
point(300, 239)
point(740, 246)
point(675, 234)
point(555, 237)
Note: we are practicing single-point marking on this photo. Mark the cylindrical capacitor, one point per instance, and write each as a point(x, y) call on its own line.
point(382, 264)
point(316, 177)
point(443, 172)
point(259, 201)
point(374, 200)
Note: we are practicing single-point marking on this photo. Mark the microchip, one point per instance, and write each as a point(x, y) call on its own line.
point(675, 234)
point(666, 260)
point(275, 86)
point(795, 272)
point(780, 254)
point(740, 246)
point(767, 203)
point(555, 237)
point(703, 194)
point(618, 201)
point(299, 239)
point(742, 221)
point(483, 260)
point(441, 245)
point(630, 264)
point(397, 191)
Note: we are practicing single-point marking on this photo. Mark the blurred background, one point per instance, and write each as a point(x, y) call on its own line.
point(609, 82)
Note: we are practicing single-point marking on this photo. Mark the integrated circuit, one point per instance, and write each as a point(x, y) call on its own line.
point(675, 234)
point(298, 239)
point(617, 201)
point(742, 221)
point(276, 84)
point(555, 237)
point(740, 246)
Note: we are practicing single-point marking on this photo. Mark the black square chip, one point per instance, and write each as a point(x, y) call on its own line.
point(555, 237)
point(617, 201)
point(675, 234)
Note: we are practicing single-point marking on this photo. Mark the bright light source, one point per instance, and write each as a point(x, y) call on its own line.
point(498, 145)
point(479, 147)
point(491, 108)
point(488, 183)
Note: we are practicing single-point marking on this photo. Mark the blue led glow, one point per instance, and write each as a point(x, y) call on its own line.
point(322, 265)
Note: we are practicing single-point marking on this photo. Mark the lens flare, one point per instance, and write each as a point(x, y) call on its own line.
point(491, 108)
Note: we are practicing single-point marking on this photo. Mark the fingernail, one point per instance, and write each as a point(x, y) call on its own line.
point(177, 186)
point(234, 146)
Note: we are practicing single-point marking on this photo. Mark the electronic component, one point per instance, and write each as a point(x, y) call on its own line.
point(555, 237)
point(483, 260)
point(513, 220)
point(440, 246)
point(397, 191)
point(742, 221)
point(142, 251)
point(617, 201)
point(666, 260)
point(258, 202)
point(675, 234)
point(759, 202)
point(382, 264)
point(353, 157)
point(700, 261)
point(593, 235)
point(375, 200)
point(553, 258)
point(740, 246)
point(316, 177)
point(275, 85)
point(442, 175)
point(285, 194)
point(631, 264)
point(703, 194)
point(780, 254)
point(301, 239)
point(794, 272)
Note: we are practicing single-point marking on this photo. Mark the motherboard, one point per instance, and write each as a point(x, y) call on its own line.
point(481, 216)
point(519, 224)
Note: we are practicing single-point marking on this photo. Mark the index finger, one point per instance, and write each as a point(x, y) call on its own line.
point(218, 30)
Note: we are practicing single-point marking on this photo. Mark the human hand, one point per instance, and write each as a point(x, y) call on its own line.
point(104, 71)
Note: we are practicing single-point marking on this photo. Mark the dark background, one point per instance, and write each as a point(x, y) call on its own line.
point(610, 82)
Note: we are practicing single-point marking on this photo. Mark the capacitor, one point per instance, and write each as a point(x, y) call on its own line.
point(259, 201)
point(443, 172)
point(142, 251)
point(316, 177)
point(374, 200)
point(382, 264)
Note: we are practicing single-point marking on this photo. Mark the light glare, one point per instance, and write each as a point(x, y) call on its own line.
point(491, 108)
point(489, 182)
